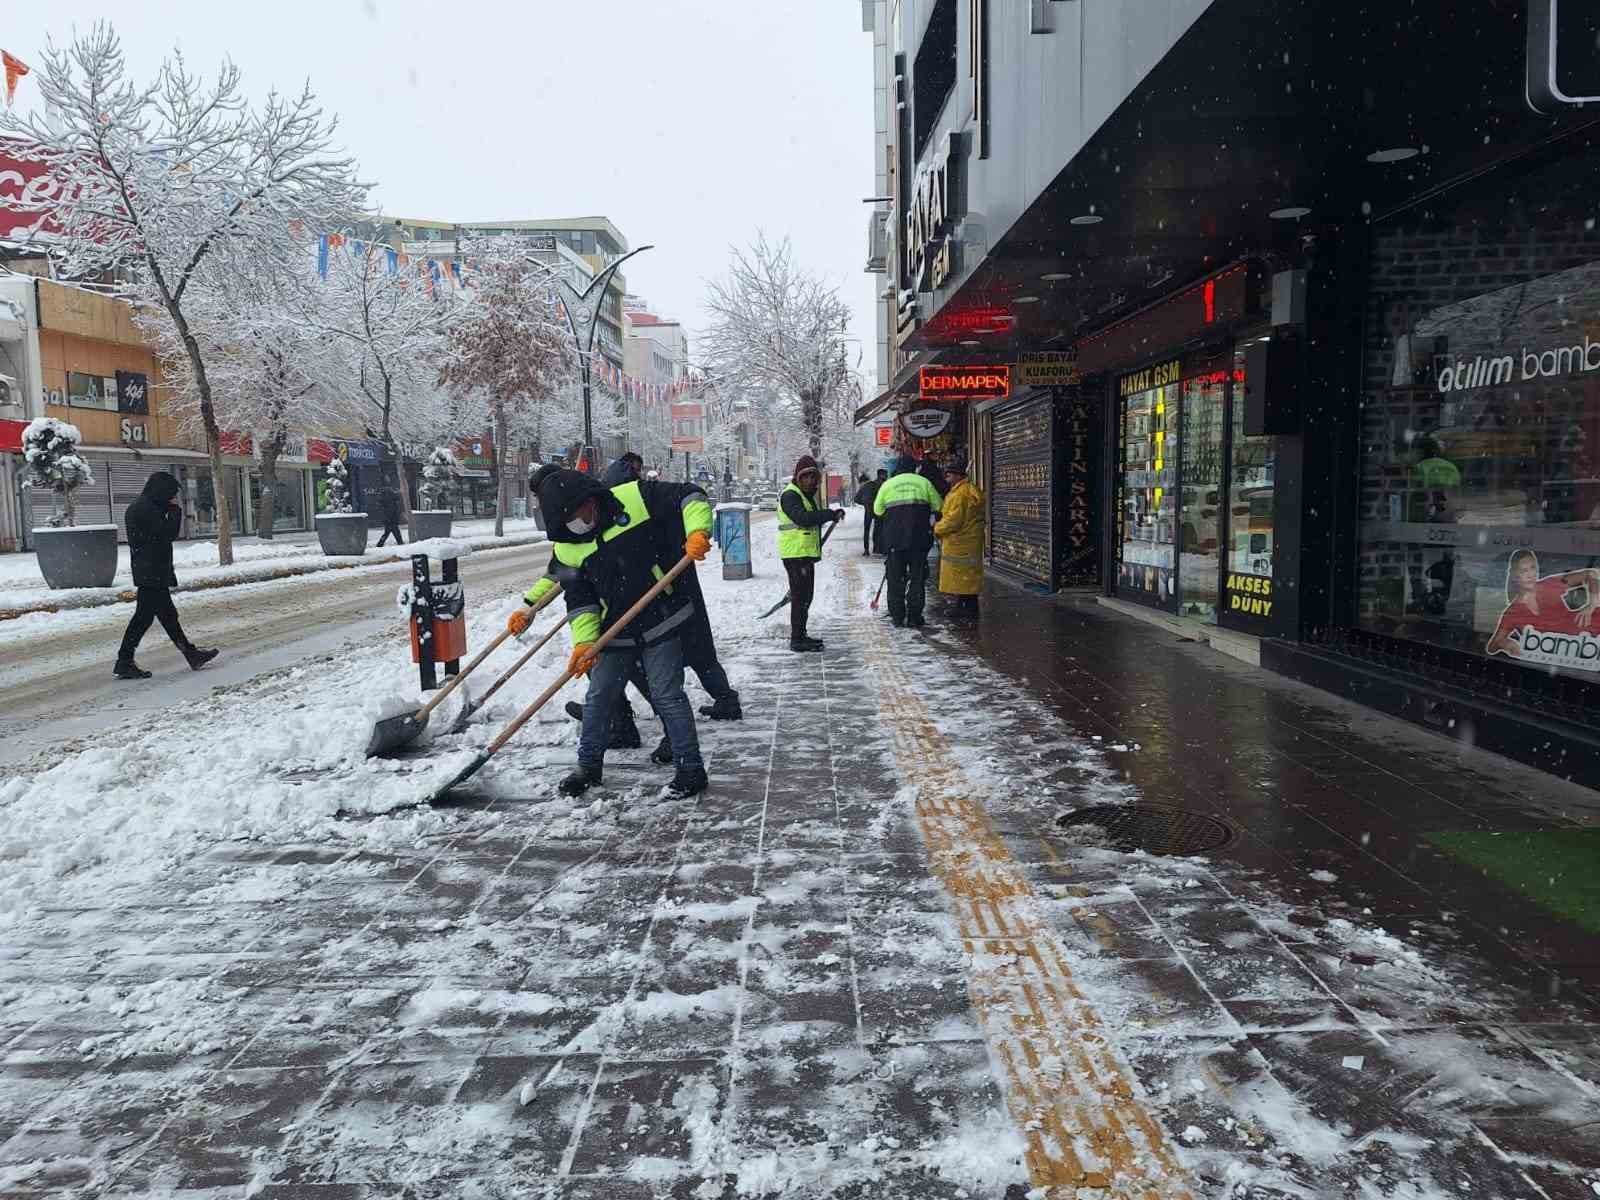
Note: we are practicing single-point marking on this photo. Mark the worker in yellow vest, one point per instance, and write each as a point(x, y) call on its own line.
point(609, 546)
point(801, 516)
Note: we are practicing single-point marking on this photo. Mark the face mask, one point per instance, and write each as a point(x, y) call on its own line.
point(579, 526)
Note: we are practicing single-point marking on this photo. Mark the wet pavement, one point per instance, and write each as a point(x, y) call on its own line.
point(868, 963)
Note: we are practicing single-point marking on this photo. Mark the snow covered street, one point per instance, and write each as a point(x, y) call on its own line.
point(236, 960)
point(55, 668)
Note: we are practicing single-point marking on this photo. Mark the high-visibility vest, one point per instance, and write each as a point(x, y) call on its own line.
point(795, 541)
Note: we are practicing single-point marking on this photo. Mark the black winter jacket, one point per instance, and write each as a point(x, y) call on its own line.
point(621, 568)
point(153, 525)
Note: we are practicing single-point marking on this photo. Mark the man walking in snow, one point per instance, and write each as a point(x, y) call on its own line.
point(153, 523)
point(610, 546)
point(906, 505)
point(390, 503)
point(865, 495)
point(801, 517)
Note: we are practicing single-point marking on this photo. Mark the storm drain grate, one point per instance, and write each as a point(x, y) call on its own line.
point(1148, 827)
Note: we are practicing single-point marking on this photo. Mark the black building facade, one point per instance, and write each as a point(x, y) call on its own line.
point(1329, 284)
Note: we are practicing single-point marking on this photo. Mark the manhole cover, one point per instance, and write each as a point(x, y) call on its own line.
point(1147, 827)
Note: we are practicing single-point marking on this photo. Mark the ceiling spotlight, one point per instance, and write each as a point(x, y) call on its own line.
point(1088, 219)
point(1293, 212)
point(1024, 299)
point(1052, 276)
point(1397, 154)
point(970, 342)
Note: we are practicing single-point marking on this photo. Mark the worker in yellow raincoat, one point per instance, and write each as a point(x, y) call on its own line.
point(960, 533)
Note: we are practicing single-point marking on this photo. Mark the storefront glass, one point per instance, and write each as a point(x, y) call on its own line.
point(200, 500)
point(1149, 468)
point(1480, 476)
point(1201, 515)
point(1197, 493)
point(289, 505)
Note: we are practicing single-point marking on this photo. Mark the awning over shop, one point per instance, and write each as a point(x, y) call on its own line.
point(905, 384)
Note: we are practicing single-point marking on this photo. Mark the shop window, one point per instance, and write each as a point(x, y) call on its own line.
point(1149, 470)
point(1201, 517)
point(1251, 505)
point(933, 75)
point(1480, 476)
point(91, 391)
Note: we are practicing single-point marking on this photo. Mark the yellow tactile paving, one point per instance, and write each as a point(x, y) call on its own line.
point(1086, 1132)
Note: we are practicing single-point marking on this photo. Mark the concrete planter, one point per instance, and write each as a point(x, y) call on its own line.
point(431, 523)
point(83, 556)
point(342, 534)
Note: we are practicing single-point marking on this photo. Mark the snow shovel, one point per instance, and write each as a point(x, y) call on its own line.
point(526, 715)
point(472, 706)
point(393, 733)
point(878, 595)
point(828, 533)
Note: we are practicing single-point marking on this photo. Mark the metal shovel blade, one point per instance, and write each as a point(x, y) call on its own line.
point(396, 733)
point(466, 773)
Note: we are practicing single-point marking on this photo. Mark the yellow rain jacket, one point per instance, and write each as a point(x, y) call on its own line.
point(960, 533)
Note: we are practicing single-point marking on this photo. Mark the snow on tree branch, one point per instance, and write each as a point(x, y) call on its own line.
point(780, 328)
point(163, 184)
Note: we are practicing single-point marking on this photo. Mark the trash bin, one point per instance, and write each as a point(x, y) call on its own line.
point(733, 535)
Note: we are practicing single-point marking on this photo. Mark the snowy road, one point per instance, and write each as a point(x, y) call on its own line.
point(55, 668)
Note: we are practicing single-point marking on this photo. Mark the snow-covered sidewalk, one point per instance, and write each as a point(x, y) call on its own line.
point(236, 961)
point(23, 590)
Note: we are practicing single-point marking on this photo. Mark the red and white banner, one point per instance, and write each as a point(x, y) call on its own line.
point(21, 179)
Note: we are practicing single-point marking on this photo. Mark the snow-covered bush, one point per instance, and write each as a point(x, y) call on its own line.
point(438, 479)
point(338, 487)
point(50, 448)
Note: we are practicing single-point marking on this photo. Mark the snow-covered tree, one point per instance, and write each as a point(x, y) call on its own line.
point(390, 325)
point(506, 348)
point(271, 372)
point(438, 479)
point(159, 182)
point(50, 448)
point(774, 324)
point(338, 487)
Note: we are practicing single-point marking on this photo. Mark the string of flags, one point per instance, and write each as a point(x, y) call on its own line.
point(439, 276)
point(15, 69)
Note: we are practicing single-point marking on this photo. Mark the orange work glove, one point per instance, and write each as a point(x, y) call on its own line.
point(519, 620)
point(698, 546)
point(582, 659)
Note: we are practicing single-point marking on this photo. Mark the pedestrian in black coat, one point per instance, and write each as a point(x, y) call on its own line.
point(391, 516)
point(153, 523)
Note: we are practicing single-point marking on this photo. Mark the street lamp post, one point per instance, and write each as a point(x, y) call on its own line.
point(583, 313)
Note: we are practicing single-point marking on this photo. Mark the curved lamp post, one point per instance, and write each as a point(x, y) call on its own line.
point(583, 315)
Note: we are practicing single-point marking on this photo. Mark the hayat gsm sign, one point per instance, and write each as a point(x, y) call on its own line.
point(965, 383)
point(21, 181)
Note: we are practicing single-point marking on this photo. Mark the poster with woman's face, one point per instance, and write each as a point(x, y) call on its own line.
point(1548, 619)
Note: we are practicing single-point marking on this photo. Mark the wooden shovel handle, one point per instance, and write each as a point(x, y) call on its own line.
point(519, 664)
point(639, 605)
point(439, 696)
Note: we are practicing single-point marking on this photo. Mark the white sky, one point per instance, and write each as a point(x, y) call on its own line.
point(690, 123)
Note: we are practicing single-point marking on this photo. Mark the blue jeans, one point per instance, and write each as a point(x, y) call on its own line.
point(663, 666)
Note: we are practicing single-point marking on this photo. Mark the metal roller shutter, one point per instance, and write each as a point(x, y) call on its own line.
point(1021, 512)
point(93, 500)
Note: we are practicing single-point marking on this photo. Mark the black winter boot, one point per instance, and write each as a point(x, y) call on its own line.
point(662, 754)
point(624, 733)
point(198, 657)
point(129, 670)
point(726, 708)
point(688, 781)
point(805, 645)
point(575, 711)
point(580, 781)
